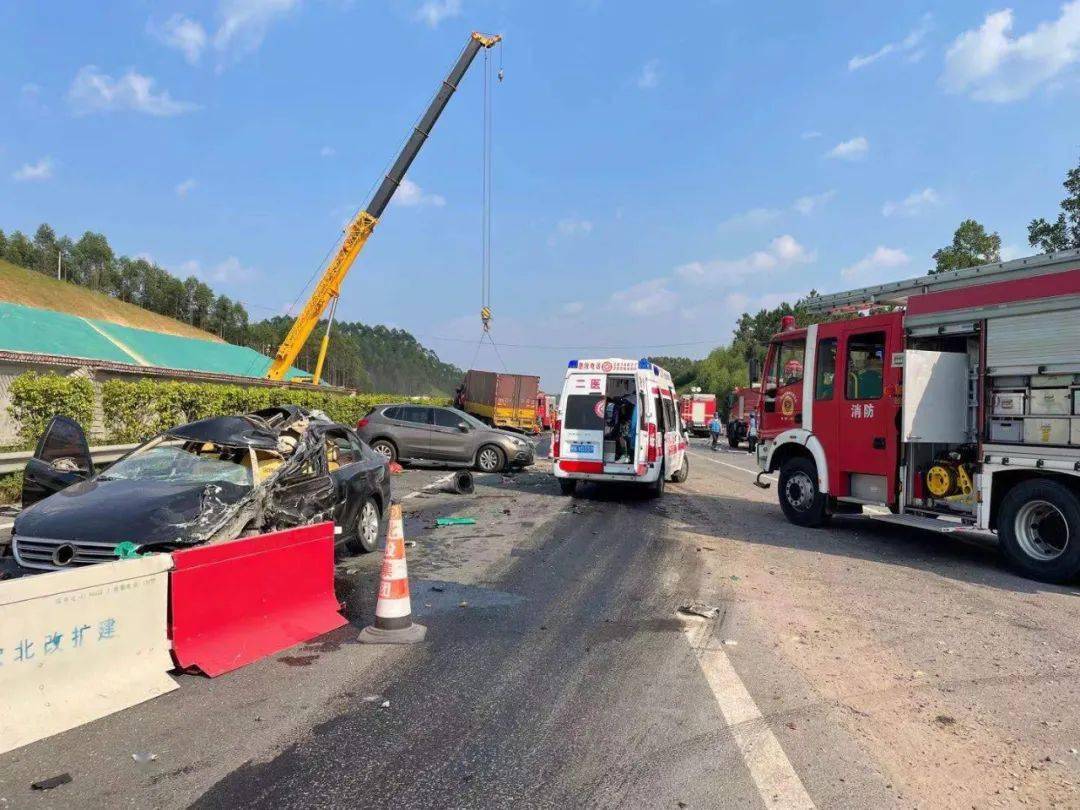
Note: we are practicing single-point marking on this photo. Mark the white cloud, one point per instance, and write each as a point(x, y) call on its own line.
point(868, 267)
point(913, 204)
point(185, 186)
point(570, 229)
point(327, 151)
point(93, 91)
point(649, 77)
point(572, 308)
point(754, 218)
point(182, 34)
point(189, 268)
point(231, 271)
point(855, 149)
point(244, 23)
point(782, 252)
point(908, 44)
point(34, 172)
point(810, 135)
point(410, 195)
point(812, 202)
point(1010, 252)
point(990, 64)
point(652, 297)
point(433, 12)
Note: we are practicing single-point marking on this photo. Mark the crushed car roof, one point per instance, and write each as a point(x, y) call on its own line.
point(259, 430)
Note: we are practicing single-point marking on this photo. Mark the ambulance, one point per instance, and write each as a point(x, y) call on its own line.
point(618, 421)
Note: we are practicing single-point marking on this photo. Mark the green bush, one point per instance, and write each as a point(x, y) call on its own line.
point(36, 398)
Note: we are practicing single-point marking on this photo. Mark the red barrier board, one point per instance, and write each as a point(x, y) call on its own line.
point(234, 603)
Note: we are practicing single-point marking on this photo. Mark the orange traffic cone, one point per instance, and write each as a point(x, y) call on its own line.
point(393, 611)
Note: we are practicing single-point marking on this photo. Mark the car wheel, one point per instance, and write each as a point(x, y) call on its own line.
point(490, 459)
point(567, 486)
point(368, 528)
point(803, 503)
point(683, 473)
point(385, 448)
point(1038, 525)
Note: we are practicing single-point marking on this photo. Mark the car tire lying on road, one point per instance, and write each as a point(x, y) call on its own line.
point(1036, 526)
point(683, 473)
point(800, 499)
point(567, 486)
point(369, 528)
point(385, 448)
point(490, 458)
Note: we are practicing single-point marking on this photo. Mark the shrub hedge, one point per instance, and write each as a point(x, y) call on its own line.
point(136, 410)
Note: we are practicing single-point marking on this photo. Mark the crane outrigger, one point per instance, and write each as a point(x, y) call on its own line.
point(358, 231)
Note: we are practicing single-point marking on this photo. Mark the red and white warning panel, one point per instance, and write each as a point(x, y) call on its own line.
point(234, 603)
point(81, 644)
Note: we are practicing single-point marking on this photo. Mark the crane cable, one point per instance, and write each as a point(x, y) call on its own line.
point(487, 206)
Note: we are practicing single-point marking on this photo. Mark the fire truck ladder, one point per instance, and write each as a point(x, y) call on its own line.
point(896, 293)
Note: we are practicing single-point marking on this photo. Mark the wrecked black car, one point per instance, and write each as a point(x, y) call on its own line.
point(209, 481)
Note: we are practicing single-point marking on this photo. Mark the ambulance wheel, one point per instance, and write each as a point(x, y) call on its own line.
point(567, 486)
point(1038, 525)
point(656, 488)
point(683, 473)
point(803, 503)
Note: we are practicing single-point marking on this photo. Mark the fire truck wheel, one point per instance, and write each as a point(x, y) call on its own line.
point(1038, 525)
point(683, 473)
point(567, 486)
point(803, 503)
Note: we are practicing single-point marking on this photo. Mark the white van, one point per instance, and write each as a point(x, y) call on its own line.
point(618, 420)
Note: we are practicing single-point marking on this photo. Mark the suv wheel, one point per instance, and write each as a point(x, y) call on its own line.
point(1038, 526)
point(385, 448)
point(490, 459)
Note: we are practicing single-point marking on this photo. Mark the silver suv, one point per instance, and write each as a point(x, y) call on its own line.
point(406, 432)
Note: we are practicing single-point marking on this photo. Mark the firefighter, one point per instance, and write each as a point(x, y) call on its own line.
point(714, 431)
point(751, 433)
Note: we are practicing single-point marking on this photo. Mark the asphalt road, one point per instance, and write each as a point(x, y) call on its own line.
point(862, 665)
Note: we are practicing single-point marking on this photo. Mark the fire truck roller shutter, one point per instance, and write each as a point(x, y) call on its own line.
point(809, 374)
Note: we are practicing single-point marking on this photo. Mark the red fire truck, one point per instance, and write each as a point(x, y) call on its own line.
point(745, 401)
point(959, 408)
point(696, 411)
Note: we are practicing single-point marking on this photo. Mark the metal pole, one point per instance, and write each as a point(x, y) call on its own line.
point(59, 258)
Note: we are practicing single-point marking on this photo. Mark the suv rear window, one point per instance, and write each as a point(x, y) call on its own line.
point(584, 412)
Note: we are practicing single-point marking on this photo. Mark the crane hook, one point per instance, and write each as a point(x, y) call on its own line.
point(501, 74)
point(485, 318)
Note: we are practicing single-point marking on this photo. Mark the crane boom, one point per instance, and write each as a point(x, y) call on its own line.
point(358, 231)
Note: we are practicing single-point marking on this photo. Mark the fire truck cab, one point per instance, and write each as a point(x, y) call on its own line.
point(958, 408)
point(618, 422)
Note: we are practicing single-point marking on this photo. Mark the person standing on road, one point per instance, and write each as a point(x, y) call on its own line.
point(751, 433)
point(714, 430)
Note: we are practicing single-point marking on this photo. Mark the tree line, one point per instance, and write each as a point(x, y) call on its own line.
point(90, 262)
point(728, 367)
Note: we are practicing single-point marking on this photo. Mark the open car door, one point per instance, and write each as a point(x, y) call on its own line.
point(62, 458)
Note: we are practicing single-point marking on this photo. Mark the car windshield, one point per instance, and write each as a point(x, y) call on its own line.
point(183, 464)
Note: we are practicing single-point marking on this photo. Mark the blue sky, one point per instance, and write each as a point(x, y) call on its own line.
point(658, 169)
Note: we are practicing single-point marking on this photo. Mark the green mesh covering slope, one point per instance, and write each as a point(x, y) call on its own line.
point(41, 331)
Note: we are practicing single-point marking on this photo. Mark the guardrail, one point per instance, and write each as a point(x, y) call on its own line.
point(103, 454)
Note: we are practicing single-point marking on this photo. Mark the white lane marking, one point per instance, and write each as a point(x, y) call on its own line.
point(772, 772)
point(438, 482)
point(732, 466)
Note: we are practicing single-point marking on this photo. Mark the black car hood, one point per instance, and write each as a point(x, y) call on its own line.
point(144, 512)
point(231, 431)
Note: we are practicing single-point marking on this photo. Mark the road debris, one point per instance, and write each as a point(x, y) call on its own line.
point(144, 758)
point(455, 521)
point(385, 704)
point(371, 698)
point(699, 609)
point(461, 483)
point(52, 782)
point(730, 642)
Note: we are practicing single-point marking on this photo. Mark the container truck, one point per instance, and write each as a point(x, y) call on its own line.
point(501, 400)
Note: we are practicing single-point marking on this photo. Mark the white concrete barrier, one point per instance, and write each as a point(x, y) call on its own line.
point(81, 644)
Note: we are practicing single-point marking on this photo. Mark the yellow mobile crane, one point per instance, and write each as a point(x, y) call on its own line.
point(360, 228)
